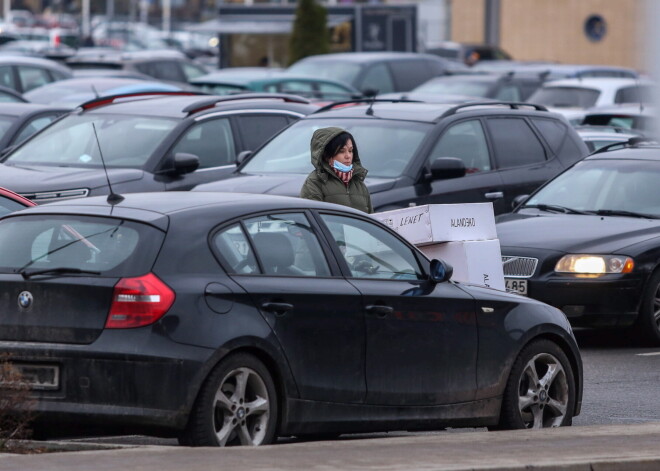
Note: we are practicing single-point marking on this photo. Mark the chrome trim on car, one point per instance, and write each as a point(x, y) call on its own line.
point(519, 267)
point(48, 196)
point(252, 111)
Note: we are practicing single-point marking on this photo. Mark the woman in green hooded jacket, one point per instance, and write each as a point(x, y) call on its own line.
point(338, 175)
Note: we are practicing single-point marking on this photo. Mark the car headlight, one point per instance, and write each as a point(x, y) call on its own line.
point(594, 264)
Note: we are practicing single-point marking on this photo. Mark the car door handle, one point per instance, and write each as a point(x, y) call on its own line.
point(378, 310)
point(279, 309)
point(494, 195)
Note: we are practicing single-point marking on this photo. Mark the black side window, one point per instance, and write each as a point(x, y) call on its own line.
point(634, 94)
point(466, 141)
point(286, 245)
point(515, 143)
point(410, 73)
point(257, 129)
point(558, 137)
point(212, 141)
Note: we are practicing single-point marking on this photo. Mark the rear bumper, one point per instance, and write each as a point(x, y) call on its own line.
point(108, 382)
point(593, 302)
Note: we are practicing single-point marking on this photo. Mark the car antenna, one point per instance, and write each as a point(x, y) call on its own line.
point(96, 93)
point(113, 198)
point(372, 94)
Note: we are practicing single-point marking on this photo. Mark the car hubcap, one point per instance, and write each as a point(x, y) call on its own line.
point(656, 308)
point(241, 409)
point(543, 392)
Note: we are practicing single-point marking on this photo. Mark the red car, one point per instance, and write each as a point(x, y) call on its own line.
point(10, 201)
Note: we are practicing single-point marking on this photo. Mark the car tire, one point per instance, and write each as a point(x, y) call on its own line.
point(648, 320)
point(540, 391)
point(237, 405)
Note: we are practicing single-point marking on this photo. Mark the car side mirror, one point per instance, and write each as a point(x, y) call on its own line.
point(443, 168)
point(440, 271)
point(243, 156)
point(519, 200)
point(369, 92)
point(184, 163)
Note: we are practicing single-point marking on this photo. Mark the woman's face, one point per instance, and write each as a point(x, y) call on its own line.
point(344, 155)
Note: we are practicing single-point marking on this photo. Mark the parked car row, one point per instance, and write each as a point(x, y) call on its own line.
point(221, 292)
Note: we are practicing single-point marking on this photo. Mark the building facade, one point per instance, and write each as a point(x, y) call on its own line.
point(570, 31)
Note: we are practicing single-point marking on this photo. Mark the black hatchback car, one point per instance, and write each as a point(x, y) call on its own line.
point(233, 319)
point(588, 242)
point(415, 151)
point(151, 141)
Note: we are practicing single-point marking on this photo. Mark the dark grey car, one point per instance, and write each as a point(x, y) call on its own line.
point(171, 313)
point(148, 142)
point(421, 153)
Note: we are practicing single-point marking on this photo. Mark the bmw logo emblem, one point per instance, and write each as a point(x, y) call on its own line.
point(25, 300)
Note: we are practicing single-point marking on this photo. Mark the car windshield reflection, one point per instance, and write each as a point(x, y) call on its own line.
point(125, 141)
point(385, 148)
point(606, 188)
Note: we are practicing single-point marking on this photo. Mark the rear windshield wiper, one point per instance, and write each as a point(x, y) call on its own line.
point(56, 271)
point(621, 212)
point(554, 208)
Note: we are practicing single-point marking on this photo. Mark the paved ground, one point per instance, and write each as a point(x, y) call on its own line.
point(592, 448)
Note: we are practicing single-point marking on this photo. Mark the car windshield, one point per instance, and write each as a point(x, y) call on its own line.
point(565, 97)
point(604, 185)
point(335, 70)
point(463, 87)
point(125, 141)
point(385, 147)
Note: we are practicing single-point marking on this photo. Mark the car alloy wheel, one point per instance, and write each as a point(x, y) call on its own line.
point(648, 321)
point(237, 406)
point(540, 392)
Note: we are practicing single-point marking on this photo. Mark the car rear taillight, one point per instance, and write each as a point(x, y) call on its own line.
point(137, 302)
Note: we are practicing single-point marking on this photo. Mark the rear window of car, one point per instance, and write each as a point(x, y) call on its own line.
point(565, 97)
point(111, 247)
point(635, 94)
point(335, 70)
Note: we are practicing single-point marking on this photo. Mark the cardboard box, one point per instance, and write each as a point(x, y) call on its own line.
point(433, 223)
point(478, 262)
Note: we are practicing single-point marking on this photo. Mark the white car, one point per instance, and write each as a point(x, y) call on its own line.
point(570, 96)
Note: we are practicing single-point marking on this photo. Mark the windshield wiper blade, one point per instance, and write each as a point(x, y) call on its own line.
point(622, 212)
point(57, 271)
point(554, 208)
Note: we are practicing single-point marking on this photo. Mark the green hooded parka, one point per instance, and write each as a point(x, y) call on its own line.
point(322, 184)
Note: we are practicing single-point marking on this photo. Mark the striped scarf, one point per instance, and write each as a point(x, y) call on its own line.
point(344, 176)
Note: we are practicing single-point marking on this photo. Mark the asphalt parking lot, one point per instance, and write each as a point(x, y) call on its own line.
point(594, 448)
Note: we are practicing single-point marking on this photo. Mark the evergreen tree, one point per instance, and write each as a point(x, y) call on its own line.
point(310, 33)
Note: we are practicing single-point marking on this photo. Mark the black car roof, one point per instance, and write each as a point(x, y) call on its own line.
point(153, 207)
point(180, 106)
point(413, 111)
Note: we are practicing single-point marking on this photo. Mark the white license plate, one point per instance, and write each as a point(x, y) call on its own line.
point(40, 377)
point(516, 285)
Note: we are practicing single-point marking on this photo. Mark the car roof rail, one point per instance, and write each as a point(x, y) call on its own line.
point(632, 142)
point(110, 99)
point(511, 104)
point(359, 101)
point(211, 101)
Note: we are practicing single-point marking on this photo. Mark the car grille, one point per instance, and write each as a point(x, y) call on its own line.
point(48, 196)
point(519, 267)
